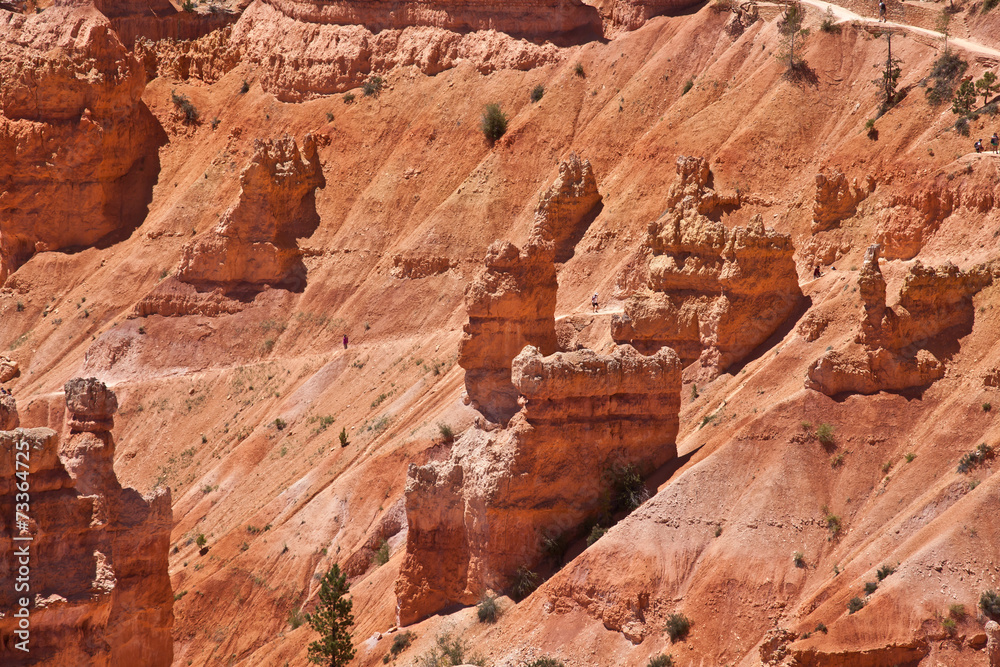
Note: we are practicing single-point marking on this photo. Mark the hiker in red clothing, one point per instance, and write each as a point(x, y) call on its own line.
point(345, 341)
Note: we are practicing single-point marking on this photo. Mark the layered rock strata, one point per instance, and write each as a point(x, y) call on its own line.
point(300, 50)
point(82, 144)
point(622, 15)
point(477, 517)
point(897, 348)
point(512, 302)
point(99, 589)
point(713, 294)
point(255, 241)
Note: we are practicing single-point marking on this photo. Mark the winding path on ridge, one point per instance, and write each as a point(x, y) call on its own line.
point(842, 15)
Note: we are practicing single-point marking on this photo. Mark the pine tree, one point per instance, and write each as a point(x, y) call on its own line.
point(987, 86)
point(331, 620)
point(790, 27)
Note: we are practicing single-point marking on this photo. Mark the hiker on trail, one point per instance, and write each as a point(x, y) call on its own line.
point(978, 145)
point(995, 142)
point(593, 302)
point(345, 341)
point(881, 10)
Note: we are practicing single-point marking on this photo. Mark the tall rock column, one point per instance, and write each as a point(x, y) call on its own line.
point(99, 587)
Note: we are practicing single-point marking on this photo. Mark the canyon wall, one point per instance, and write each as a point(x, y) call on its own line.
point(905, 346)
point(82, 144)
point(99, 589)
point(713, 294)
point(477, 517)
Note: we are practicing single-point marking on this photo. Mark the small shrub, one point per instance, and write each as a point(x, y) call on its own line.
point(989, 5)
point(280, 424)
point(837, 460)
point(678, 626)
point(824, 433)
point(962, 126)
point(829, 23)
point(187, 5)
point(957, 611)
point(201, 540)
point(372, 86)
point(870, 124)
point(544, 661)
point(245, 546)
point(884, 571)
point(329, 116)
point(799, 559)
point(821, 627)
point(987, 407)
point(537, 92)
point(596, 533)
point(20, 306)
point(182, 103)
point(628, 491)
point(296, 618)
point(343, 437)
point(886, 467)
point(661, 661)
point(488, 610)
point(688, 85)
point(833, 524)
point(348, 98)
point(245, 88)
point(694, 392)
point(855, 605)
point(215, 123)
point(949, 625)
point(494, 122)
point(989, 602)
point(382, 554)
point(718, 530)
point(870, 587)
point(401, 642)
point(974, 458)
point(178, 596)
point(909, 457)
point(578, 70)
point(446, 433)
point(524, 583)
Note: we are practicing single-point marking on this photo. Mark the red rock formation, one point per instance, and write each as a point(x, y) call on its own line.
point(9, 419)
point(567, 208)
point(894, 348)
point(713, 294)
point(993, 643)
point(82, 144)
point(477, 517)
point(99, 589)
point(207, 57)
point(620, 15)
point(255, 241)
point(836, 199)
point(512, 303)
point(8, 369)
point(301, 53)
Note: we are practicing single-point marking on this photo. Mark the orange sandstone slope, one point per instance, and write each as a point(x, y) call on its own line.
point(234, 384)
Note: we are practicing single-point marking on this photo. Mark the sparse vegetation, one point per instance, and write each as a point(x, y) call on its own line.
point(957, 611)
point(694, 392)
point(488, 610)
point(888, 78)
point(821, 627)
point(677, 627)
point(799, 559)
point(201, 541)
point(974, 458)
point(494, 122)
point(884, 571)
point(832, 521)
point(987, 407)
point(348, 98)
point(280, 424)
point(987, 85)
point(824, 433)
point(183, 104)
point(855, 605)
point(909, 457)
point(628, 491)
point(524, 583)
point(446, 433)
point(963, 100)
point(688, 85)
point(989, 602)
point(870, 587)
point(295, 618)
point(343, 437)
point(661, 661)
point(596, 533)
point(400, 643)
point(947, 70)
point(329, 116)
point(544, 661)
point(829, 23)
point(382, 554)
point(245, 88)
point(578, 70)
point(790, 27)
point(372, 86)
point(448, 652)
point(537, 92)
point(837, 460)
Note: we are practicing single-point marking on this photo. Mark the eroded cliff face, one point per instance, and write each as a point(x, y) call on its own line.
point(713, 294)
point(99, 589)
point(837, 199)
point(478, 516)
point(905, 346)
point(255, 241)
point(81, 143)
point(304, 49)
